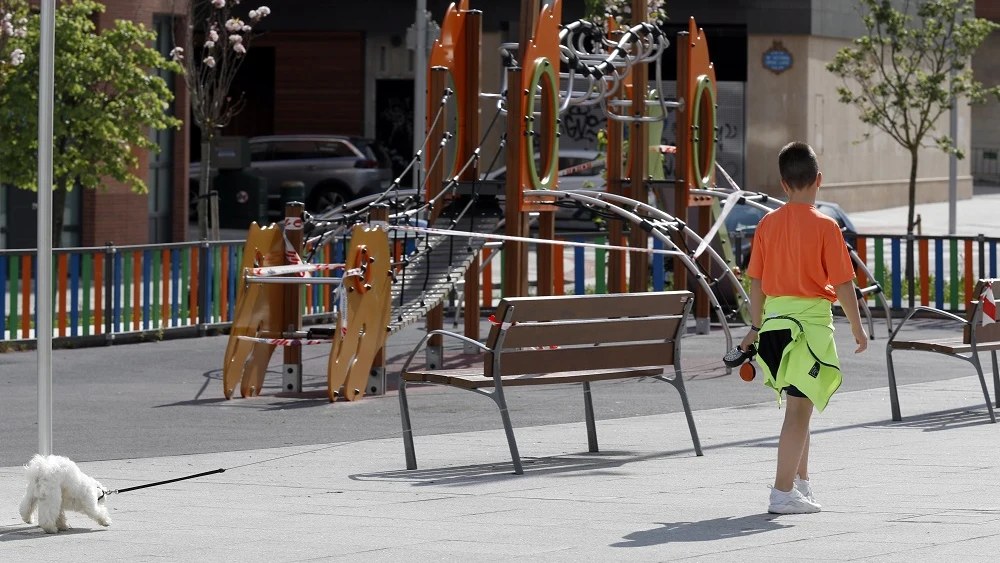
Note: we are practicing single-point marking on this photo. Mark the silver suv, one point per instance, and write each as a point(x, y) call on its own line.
point(334, 168)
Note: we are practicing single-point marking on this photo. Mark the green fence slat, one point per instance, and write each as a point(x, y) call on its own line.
point(955, 281)
point(86, 265)
point(15, 284)
point(185, 286)
point(880, 261)
point(599, 259)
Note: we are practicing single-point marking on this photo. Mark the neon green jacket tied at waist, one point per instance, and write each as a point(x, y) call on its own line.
point(809, 361)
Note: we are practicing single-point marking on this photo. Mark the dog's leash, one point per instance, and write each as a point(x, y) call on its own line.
point(146, 486)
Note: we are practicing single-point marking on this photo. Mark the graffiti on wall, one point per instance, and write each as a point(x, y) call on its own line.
point(580, 126)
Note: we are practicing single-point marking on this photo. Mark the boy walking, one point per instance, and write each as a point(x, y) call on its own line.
point(799, 266)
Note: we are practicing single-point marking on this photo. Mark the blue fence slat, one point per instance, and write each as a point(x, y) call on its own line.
point(175, 285)
point(579, 270)
point(897, 274)
point(939, 273)
point(993, 259)
point(3, 298)
point(658, 281)
point(147, 282)
point(74, 295)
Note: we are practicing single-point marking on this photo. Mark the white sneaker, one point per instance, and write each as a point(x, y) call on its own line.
point(805, 488)
point(792, 502)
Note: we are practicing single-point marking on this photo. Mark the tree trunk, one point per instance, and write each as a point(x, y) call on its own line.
point(910, 224)
point(203, 185)
point(59, 191)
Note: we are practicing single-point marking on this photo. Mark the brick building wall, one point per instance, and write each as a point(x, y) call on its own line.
point(116, 214)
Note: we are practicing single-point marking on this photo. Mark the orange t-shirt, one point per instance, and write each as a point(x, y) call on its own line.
point(799, 252)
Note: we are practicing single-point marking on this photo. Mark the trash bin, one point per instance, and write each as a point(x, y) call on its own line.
point(242, 199)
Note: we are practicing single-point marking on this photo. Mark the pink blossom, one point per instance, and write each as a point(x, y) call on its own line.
point(247, 29)
point(209, 45)
point(239, 48)
point(16, 57)
point(177, 54)
point(213, 36)
point(236, 39)
point(219, 3)
point(263, 11)
point(234, 25)
point(209, 61)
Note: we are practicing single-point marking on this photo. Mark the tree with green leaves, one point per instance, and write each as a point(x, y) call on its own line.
point(210, 62)
point(107, 98)
point(904, 72)
point(13, 30)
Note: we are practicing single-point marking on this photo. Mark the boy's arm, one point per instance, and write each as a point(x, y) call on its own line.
point(756, 313)
point(849, 302)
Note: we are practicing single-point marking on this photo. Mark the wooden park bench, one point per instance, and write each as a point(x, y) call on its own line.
point(566, 339)
point(975, 338)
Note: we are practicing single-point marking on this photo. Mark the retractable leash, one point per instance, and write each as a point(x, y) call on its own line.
point(743, 360)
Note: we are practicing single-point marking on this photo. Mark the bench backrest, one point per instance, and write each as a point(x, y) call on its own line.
point(589, 331)
point(990, 332)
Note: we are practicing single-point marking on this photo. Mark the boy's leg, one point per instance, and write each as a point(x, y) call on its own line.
point(803, 470)
point(793, 441)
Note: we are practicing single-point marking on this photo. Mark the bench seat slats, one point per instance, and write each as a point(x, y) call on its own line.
point(606, 331)
point(943, 345)
point(525, 361)
point(474, 378)
point(548, 308)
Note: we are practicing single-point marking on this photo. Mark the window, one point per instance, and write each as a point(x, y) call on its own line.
point(334, 149)
point(259, 152)
point(293, 150)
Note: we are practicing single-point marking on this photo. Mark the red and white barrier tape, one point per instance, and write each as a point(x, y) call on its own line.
point(285, 341)
point(434, 231)
point(294, 269)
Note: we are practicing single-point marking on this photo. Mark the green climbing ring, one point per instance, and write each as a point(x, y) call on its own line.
point(543, 71)
point(703, 177)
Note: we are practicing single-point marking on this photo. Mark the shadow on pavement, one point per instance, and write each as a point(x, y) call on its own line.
point(22, 532)
point(706, 530)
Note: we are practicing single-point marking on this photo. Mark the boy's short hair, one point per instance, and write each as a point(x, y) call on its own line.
point(798, 166)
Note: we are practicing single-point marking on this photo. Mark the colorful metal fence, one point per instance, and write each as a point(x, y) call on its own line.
point(112, 290)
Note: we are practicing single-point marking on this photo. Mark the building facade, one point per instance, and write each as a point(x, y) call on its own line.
point(346, 68)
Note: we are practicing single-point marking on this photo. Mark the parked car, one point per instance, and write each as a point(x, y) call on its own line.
point(743, 219)
point(334, 168)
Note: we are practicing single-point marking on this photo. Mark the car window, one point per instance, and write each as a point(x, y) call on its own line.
point(373, 151)
point(743, 218)
point(329, 149)
point(259, 152)
point(293, 150)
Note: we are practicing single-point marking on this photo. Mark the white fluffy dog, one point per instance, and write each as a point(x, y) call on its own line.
point(55, 485)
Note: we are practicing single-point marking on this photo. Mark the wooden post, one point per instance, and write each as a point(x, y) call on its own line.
point(702, 316)
point(291, 371)
point(639, 156)
point(515, 271)
point(546, 262)
point(683, 156)
point(435, 181)
point(473, 72)
point(616, 258)
point(376, 375)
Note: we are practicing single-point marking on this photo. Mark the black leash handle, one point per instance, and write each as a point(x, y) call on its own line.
point(196, 475)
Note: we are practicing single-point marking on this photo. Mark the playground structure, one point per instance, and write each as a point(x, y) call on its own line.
point(439, 229)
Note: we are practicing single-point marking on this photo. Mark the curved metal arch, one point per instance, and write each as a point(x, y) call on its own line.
point(680, 226)
point(659, 234)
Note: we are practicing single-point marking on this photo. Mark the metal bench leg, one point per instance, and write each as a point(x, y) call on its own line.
point(893, 397)
point(868, 314)
point(509, 429)
point(404, 415)
point(996, 378)
point(678, 383)
point(588, 407)
point(982, 381)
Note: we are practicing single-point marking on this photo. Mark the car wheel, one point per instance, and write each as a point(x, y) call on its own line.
point(324, 199)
